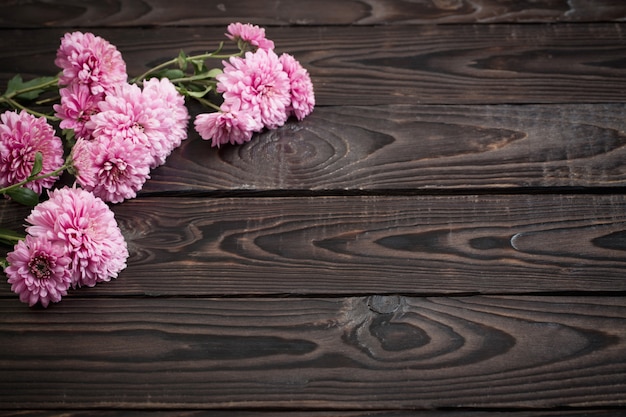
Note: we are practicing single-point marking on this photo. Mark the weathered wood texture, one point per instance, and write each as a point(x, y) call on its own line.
point(358, 352)
point(356, 245)
point(485, 64)
point(412, 147)
point(587, 412)
point(77, 13)
point(444, 236)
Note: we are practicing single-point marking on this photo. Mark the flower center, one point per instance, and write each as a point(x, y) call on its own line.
point(114, 169)
point(39, 266)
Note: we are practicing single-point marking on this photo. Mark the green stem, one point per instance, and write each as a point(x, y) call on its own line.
point(10, 98)
point(54, 173)
point(198, 77)
point(208, 103)
point(212, 55)
point(9, 240)
point(42, 86)
point(17, 105)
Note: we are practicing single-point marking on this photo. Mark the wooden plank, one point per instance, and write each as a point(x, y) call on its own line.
point(448, 64)
point(413, 148)
point(355, 245)
point(585, 412)
point(379, 352)
point(299, 12)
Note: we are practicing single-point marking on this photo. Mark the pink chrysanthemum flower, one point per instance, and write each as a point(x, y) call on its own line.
point(121, 115)
point(22, 135)
point(251, 34)
point(302, 96)
point(90, 60)
point(38, 271)
point(114, 170)
point(77, 106)
point(128, 114)
point(258, 81)
point(231, 125)
point(162, 95)
point(86, 228)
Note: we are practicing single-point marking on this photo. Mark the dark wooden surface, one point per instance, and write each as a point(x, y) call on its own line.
point(444, 236)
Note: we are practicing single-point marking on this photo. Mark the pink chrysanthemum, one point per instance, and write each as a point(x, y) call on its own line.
point(113, 170)
point(251, 34)
point(22, 135)
point(38, 271)
point(258, 81)
point(77, 106)
point(231, 125)
point(121, 115)
point(162, 94)
point(128, 114)
point(86, 228)
point(90, 60)
point(302, 96)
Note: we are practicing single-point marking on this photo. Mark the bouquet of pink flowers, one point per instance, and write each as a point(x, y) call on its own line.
point(116, 130)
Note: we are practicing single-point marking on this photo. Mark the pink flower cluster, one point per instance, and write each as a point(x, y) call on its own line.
point(260, 90)
point(121, 130)
point(73, 240)
point(22, 135)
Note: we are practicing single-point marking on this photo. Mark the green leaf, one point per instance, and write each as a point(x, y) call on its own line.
point(37, 165)
point(70, 138)
point(16, 84)
point(13, 84)
point(172, 74)
point(24, 196)
point(182, 60)
point(214, 72)
point(198, 66)
point(195, 92)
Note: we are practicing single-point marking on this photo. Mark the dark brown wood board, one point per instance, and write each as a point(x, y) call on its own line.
point(373, 244)
point(334, 413)
point(378, 352)
point(414, 148)
point(484, 64)
point(445, 236)
point(128, 13)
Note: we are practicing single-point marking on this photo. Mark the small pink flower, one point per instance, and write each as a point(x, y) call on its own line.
point(258, 82)
point(22, 135)
point(86, 229)
point(77, 106)
point(90, 60)
point(38, 271)
point(114, 170)
point(251, 34)
point(302, 96)
point(231, 125)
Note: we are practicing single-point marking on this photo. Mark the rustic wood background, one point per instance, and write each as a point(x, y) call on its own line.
point(444, 236)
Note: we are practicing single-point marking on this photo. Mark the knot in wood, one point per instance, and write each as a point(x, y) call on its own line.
point(384, 304)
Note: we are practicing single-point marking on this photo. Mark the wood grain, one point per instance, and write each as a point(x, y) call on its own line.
point(483, 64)
point(379, 352)
point(357, 245)
point(589, 412)
point(426, 148)
point(76, 13)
